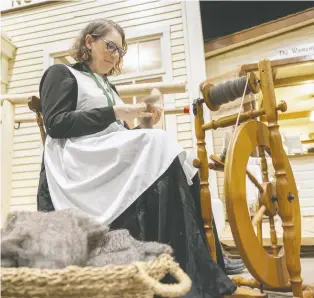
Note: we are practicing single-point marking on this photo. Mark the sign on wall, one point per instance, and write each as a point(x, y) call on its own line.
point(294, 51)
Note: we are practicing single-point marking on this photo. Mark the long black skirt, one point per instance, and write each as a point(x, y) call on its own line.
point(169, 212)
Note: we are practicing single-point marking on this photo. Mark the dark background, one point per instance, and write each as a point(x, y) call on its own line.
point(220, 18)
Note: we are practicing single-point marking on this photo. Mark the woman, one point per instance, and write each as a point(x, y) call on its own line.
point(135, 179)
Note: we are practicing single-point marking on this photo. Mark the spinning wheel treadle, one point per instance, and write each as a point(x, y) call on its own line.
point(267, 269)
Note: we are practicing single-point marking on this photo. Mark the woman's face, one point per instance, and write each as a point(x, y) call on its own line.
point(102, 59)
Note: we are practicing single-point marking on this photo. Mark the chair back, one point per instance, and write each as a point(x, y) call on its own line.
point(34, 105)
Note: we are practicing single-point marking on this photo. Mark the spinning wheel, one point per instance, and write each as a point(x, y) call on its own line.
point(280, 269)
point(268, 269)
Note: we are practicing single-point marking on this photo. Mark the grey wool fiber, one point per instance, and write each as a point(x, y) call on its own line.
point(61, 238)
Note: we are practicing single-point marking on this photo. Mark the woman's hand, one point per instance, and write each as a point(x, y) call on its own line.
point(157, 112)
point(129, 112)
point(154, 119)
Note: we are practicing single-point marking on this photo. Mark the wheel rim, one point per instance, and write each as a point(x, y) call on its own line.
point(265, 268)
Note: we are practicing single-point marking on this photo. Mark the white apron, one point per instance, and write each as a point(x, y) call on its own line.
point(104, 173)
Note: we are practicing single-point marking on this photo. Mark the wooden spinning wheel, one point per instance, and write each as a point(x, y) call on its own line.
point(280, 269)
point(268, 269)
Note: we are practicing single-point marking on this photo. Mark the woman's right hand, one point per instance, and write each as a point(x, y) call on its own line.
point(129, 112)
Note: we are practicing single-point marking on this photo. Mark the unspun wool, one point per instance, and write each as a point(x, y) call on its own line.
point(61, 238)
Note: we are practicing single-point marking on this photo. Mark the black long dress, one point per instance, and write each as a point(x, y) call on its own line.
point(168, 211)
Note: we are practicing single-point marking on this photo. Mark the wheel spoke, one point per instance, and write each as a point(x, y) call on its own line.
point(259, 228)
point(254, 181)
point(258, 215)
point(263, 164)
point(273, 236)
point(260, 232)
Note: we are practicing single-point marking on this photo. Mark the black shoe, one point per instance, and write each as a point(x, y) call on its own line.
point(233, 266)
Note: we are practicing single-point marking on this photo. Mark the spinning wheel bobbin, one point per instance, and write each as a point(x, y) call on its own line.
point(213, 102)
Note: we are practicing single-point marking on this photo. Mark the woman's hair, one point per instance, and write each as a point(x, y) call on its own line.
point(98, 28)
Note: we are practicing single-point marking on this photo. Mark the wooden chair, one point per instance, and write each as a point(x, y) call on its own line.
point(34, 105)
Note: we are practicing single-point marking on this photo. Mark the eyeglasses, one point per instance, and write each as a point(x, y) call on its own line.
point(112, 47)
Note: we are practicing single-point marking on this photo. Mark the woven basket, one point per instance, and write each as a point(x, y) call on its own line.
point(139, 279)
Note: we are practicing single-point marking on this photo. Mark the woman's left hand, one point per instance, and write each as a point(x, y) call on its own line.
point(157, 112)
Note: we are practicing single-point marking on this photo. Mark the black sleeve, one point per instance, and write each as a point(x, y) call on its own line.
point(58, 94)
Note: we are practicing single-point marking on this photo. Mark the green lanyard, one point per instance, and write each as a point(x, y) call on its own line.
point(111, 101)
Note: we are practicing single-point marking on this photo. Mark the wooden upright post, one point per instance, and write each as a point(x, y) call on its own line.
point(291, 245)
point(7, 134)
point(202, 164)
